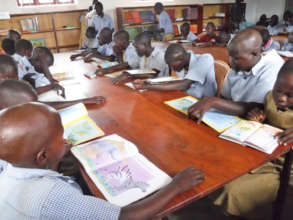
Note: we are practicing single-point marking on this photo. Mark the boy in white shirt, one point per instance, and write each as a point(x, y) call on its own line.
point(186, 33)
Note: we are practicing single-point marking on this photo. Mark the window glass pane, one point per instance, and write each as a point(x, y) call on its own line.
point(26, 1)
point(64, 1)
point(46, 1)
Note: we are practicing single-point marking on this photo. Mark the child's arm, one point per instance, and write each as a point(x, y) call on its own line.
point(286, 137)
point(149, 207)
point(83, 54)
point(96, 100)
point(256, 114)
point(180, 85)
point(125, 76)
point(47, 88)
point(230, 107)
point(112, 69)
point(96, 54)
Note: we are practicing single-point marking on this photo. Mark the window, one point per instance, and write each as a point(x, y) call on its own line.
point(43, 2)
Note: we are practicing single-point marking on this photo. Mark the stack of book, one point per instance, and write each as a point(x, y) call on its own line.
point(190, 13)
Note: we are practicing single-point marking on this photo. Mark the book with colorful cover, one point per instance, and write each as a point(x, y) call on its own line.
point(253, 134)
point(38, 42)
point(132, 17)
point(147, 17)
point(171, 13)
point(120, 172)
point(78, 126)
point(213, 118)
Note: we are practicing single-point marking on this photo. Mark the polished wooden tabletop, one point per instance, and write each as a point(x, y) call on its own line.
point(165, 136)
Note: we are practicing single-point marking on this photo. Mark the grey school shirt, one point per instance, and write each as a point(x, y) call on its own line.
point(254, 85)
point(202, 72)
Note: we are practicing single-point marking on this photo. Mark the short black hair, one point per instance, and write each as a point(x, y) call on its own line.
point(106, 32)
point(185, 25)
point(99, 5)
point(38, 50)
point(172, 50)
point(7, 64)
point(143, 37)
point(8, 46)
point(287, 68)
point(91, 32)
point(122, 35)
point(18, 86)
point(211, 24)
point(159, 5)
point(12, 33)
point(22, 45)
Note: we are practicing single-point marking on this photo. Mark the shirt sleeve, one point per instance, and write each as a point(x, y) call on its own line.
point(226, 90)
point(66, 202)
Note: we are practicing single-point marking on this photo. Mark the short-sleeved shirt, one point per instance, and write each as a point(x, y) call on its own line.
point(191, 36)
point(45, 194)
point(253, 86)
point(106, 49)
point(22, 64)
point(155, 61)
point(275, 30)
point(101, 22)
point(91, 43)
point(290, 28)
point(165, 23)
point(287, 46)
point(131, 57)
point(271, 45)
point(206, 38)
point(201, 72)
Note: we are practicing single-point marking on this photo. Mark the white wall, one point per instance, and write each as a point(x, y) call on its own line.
point(254, 7)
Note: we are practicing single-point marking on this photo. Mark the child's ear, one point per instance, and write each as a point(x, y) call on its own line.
point(42, 158)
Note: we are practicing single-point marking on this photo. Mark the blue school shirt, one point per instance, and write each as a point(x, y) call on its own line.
point(165, 22)
point(191, 36)
point(101, 22)
point(45, 194)
point(287, 46)
point(106, 49)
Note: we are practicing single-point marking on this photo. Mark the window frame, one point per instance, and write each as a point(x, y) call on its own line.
point(37, 3)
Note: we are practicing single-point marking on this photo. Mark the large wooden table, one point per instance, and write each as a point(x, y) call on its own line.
point(165, 136)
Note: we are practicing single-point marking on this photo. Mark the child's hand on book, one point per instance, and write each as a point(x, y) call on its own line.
point(121, 78)
point(286, 137)
point(187, 179)
point(60, 89)
point(256, 114)
point(96, 100)
point(100, 72)
point(200, 108)
point(73, 57)
point(140, 84)
point(87, 59)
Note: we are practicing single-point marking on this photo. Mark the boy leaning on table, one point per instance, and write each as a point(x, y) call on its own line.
point(31, 189)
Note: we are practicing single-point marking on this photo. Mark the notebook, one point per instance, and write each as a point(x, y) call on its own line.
point(253, 134)
point(121, 173)
point(78, 126)
point(164, 80)
point(213, 118)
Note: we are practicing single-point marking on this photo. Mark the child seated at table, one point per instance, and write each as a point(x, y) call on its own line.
point(288, 45)
point(103, 50)
point(268, 42)
point(29, 169)
point(91, 41)
point(186, 33)
point(208, 37)
point(124, 52)
point(149, 58)
point(8, 46)
point(197, 72)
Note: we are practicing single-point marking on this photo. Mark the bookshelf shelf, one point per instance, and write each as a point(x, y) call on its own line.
point(37, 32)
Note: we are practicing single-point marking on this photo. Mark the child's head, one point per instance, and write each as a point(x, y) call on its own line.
point(176, 57)
point(283, 88)
point(290, 37)
point(91, 32)
point(286, 15)
point(121, 40)
point(24, 47)
point(210, 28)
point(142, 43)
point(8, 68)
point(99, 8)
point(38, 146)
point(15, 92)
point(14, 35)
point(159, 7)
point(263, 18)
point(42, 55)
point(8, 46)
point(185, 29)
point(105, 36)
point(274, 20)
point(265, 36)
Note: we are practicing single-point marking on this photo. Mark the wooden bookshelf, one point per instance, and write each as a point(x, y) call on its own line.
point(53, 28)
point(178, 13)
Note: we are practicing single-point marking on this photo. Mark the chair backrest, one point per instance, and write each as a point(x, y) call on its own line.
point(280, 38)
point(221, 71)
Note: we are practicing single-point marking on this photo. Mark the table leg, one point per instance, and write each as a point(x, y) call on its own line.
point(284, 182)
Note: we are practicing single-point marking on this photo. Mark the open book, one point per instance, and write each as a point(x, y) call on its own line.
point(102, 64)
point(213, 118)
point(253, 134)
point(288, 54)
point(78, 126)
point(164, 80)
point(120, 172)
point(139, 72)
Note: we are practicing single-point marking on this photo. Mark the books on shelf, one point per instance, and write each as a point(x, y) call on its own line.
point(193, 28)
point(133, 31)
point(190, 13)
point(213, 118)
point(132, 17)
point(164, 80)
point(120, 172)
point(253, 134)
point(29, 24)
point(38, 42)
point(171, 13)
point(147, 17)
point(78, 126)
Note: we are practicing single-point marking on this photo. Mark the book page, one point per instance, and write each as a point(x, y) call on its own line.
point(264, 139)
point(285, 53)
point(114, 74)
point(240, 131)
point(140, 72)
point(166, 79)
point(72, 113)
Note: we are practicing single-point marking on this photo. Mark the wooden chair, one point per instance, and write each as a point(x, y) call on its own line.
point(221, 71)
point(280, 38)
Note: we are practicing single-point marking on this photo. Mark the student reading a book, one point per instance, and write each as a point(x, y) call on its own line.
point(8, 46)
point(101, 20)
point(288, 45)
point(165, 23)
point(125, 54)
point(186, 33)
point(268, 42)
point(149, 58)
point(251, 77)
point(27, 166)
point(197, 72)
point(8, 68)
point(23, 51)
point(207, 38)
point(14, 92)
point(274, 28)
point(13, 35)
